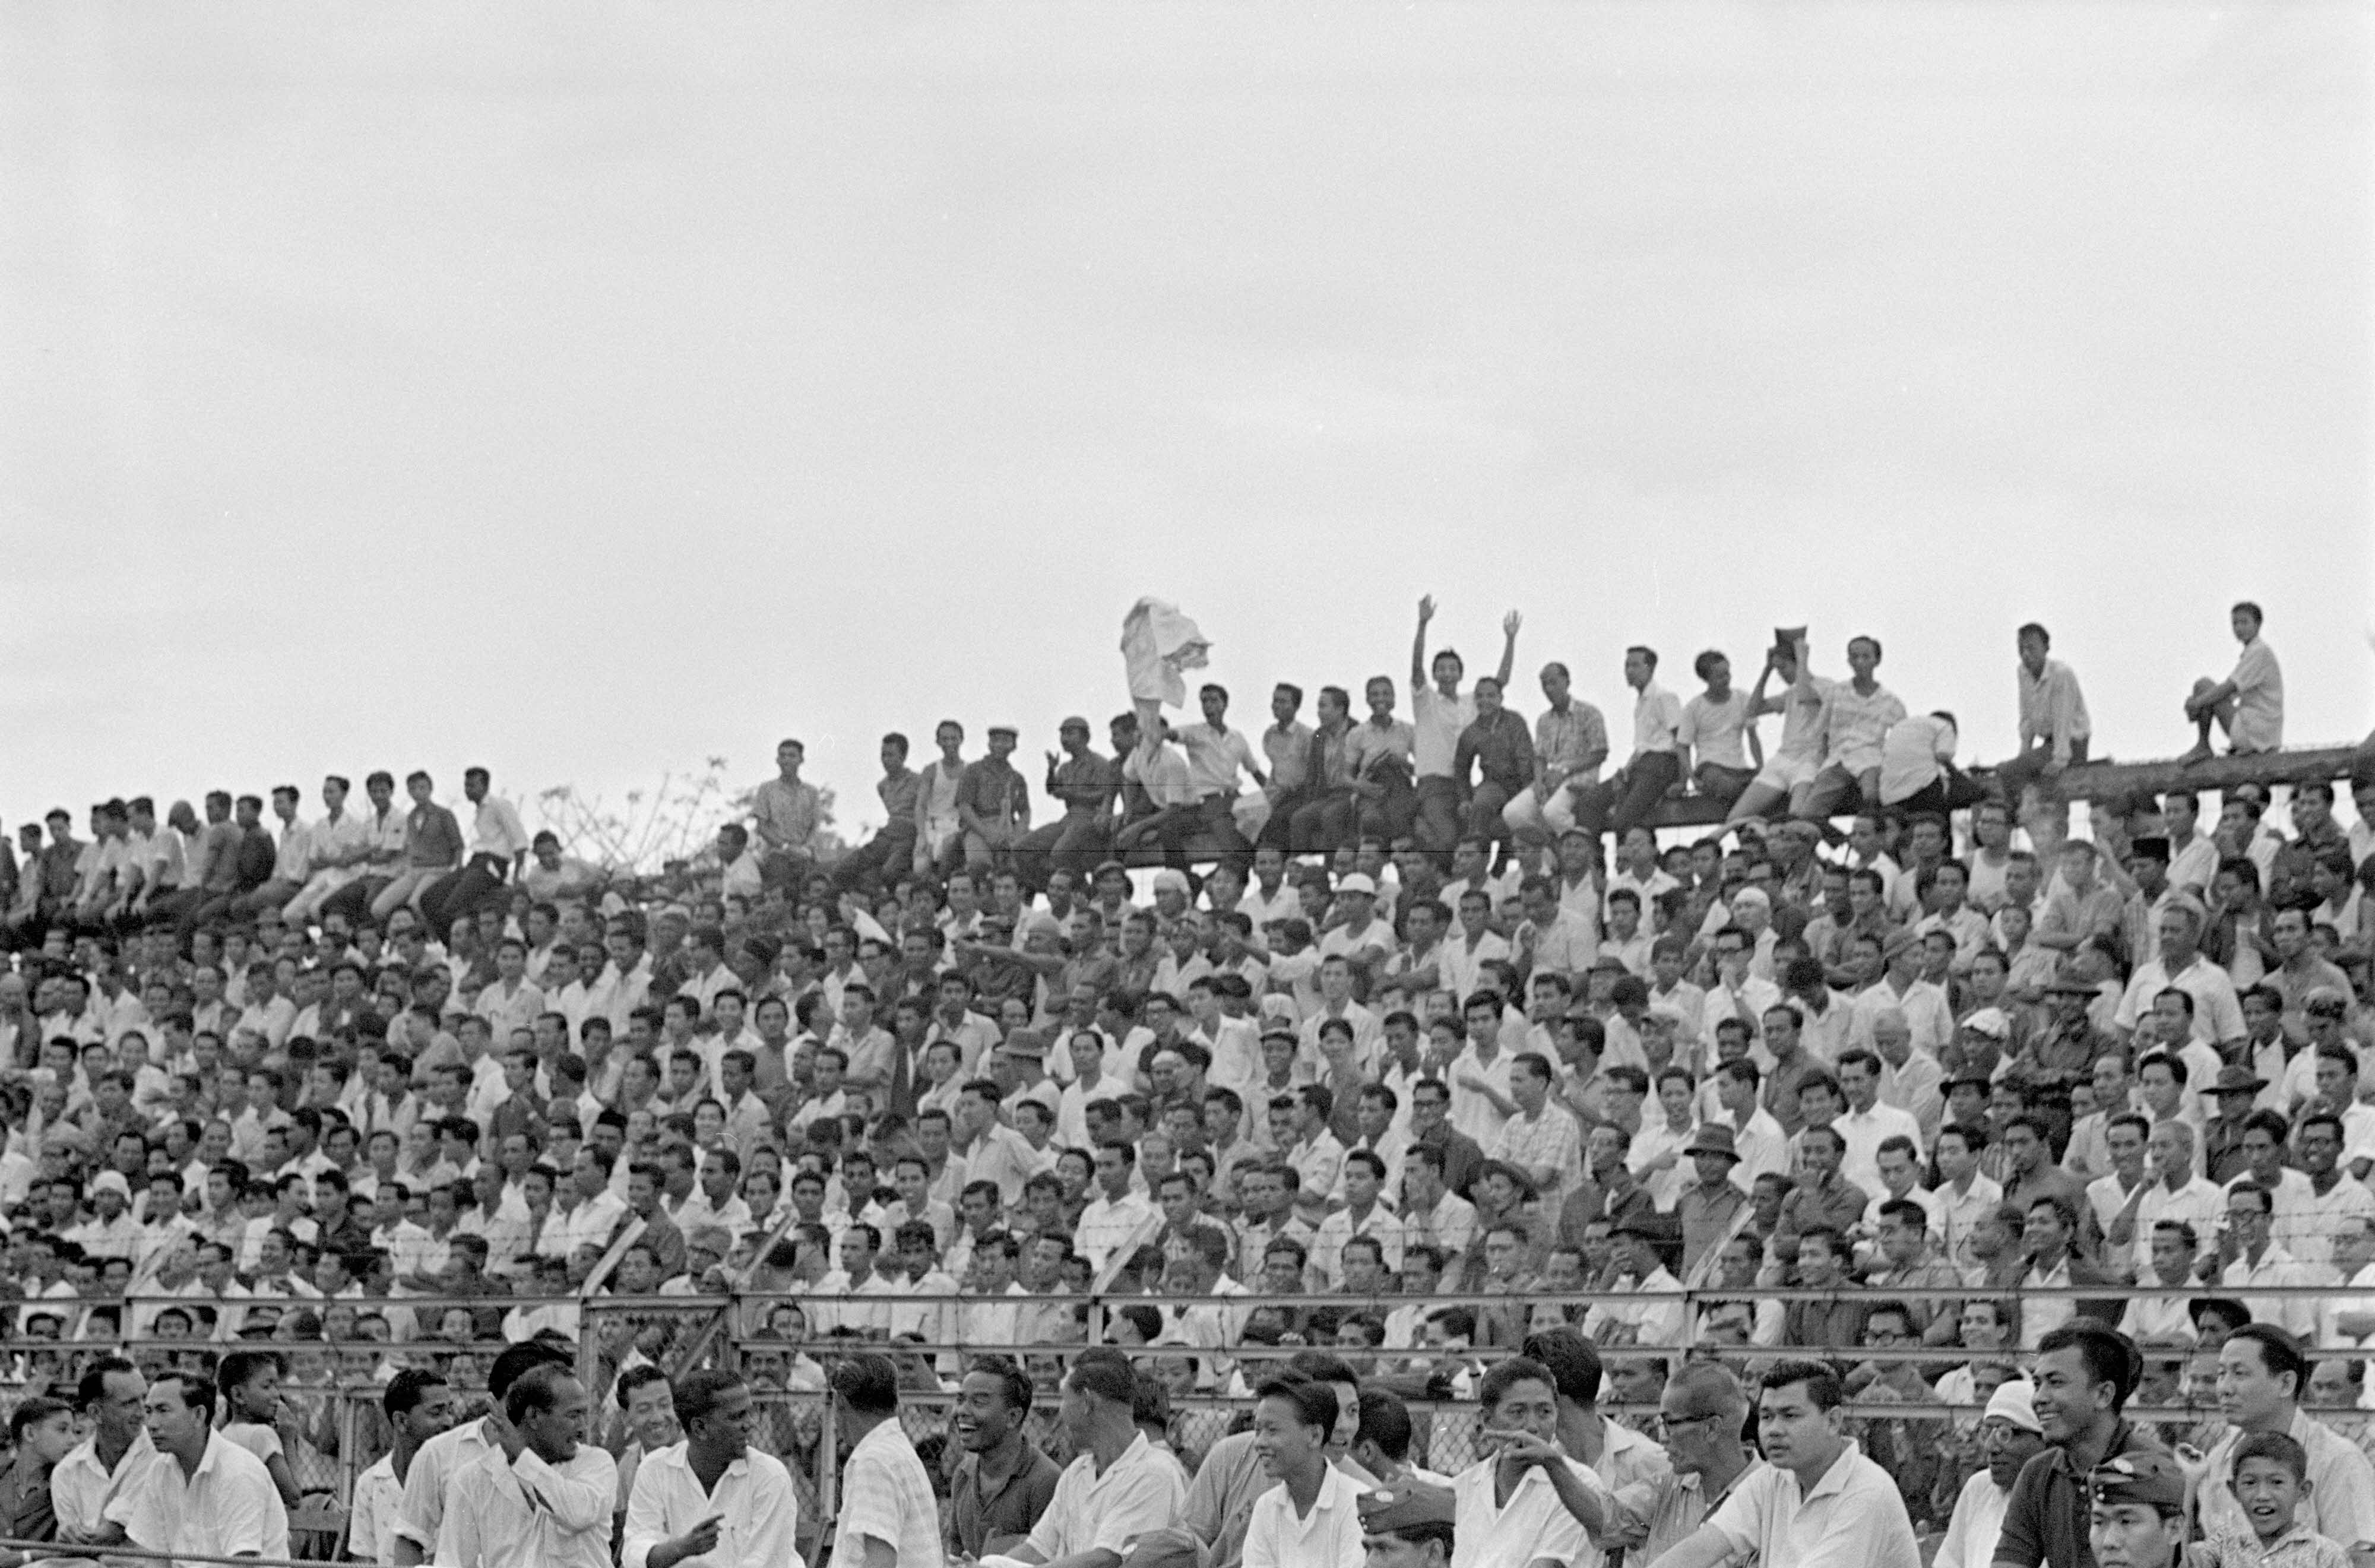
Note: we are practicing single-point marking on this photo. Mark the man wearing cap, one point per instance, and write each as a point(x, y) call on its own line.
point(1409, 1524)
point(993, 803)
point(2136, 1512)
point(1083, 783)
point(2009, 1437)
point(1360, 938)
point(1713, 1207)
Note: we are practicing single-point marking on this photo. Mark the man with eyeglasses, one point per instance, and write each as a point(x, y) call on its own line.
point(1700, 1417)
point(2251, 1257)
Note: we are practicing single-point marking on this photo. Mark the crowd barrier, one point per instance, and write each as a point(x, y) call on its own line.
point(336, 1412)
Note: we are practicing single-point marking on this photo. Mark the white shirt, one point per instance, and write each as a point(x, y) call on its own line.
point(80, 1490)
point(1865, 1132)
point(1978, 1519)
point(1534, 1523)
point(885, 1495)
point(370, 1528)
point(228, 1507)
point(1143, 1490)
point(2259, 699)
point(439, 1459)
point(1852, 1518)
point(1715, 731)
point(1328, 1536)
point(1657, 716)
point(762, 1515)
point(529, 1513)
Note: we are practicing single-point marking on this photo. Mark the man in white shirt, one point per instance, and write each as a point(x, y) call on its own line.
point(889, 1514)
point(2248, 704)
point(499, 847)
point(1120, 1488)
point(1626, 800)
point(1819, 1500)
point(1440, 713)
point(1720, 749)
point(1868, 1123)
point(1856, 718)
point(712, 1500)
point(202, 1493)
point(540, 1496)
point(1312, 1517)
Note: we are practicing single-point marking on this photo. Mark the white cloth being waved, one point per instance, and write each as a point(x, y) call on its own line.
point(502, 1513)
point(754, 1497)
point(1852, 1518)
point(226, 1507)
point(1157, 642)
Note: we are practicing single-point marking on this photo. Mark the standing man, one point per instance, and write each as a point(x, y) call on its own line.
point(1818, 1499)
point(713, 1496)
point(203, 1494)
point(2054, 728)
point(2249, 706)
point(541, 1497)
point(1441, 714)
point(1628, 800)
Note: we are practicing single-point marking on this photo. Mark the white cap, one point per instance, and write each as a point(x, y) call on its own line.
point(2016, 1402)
point(1358, 882)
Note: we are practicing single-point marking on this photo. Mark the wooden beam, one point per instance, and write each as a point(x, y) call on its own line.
point(2088, 780)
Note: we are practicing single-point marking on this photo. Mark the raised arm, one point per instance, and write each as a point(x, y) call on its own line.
point(1509, 624)
point(1418, 644)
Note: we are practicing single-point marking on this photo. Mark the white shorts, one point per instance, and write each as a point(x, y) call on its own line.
point(1787, 772)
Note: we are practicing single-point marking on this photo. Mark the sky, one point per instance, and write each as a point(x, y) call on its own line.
point(590, 391)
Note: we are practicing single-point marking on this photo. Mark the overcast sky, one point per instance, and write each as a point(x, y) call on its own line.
point(589, 390)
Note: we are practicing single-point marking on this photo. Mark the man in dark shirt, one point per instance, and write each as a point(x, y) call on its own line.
point(1498, 744)
point(993, 803)
point(2084, 1374)
point(1003, 1483)
point(43, 1431)
point(892, 851)
point(1084, 782)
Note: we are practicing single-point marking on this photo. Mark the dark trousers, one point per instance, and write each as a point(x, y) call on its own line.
point(879, 861)
point(1436, 827)
point(2029, 766)
point(1628, 801)
point(1074, 843)
point(451, 897)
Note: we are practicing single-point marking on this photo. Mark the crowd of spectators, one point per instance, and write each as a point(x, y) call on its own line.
point(1418, 1020)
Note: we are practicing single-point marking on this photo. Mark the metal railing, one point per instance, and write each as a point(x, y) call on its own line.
point(333, 1390)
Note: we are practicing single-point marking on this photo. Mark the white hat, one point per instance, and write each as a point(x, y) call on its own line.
point(2016, 1402)
point(1173, 877)
point(1990, 1021)
point(112, 1180)
point(1358, 882)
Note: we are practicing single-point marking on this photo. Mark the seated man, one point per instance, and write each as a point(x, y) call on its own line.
point(2249, 706)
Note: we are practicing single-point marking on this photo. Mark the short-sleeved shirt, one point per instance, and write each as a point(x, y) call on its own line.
point(1716, 732)
point(1328, 1536)
point(2045, 1523)
point(2259, 699)
point(1214, 757)
point(1853, 1517)
point(1439, 721)
point(81, 1488)
point(370, 1526)
point(976, 1518)
point(1533, 1524)
point(228, 1507)
point(2340, 1500)
point(886, 1494)
point(1140, 1493)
